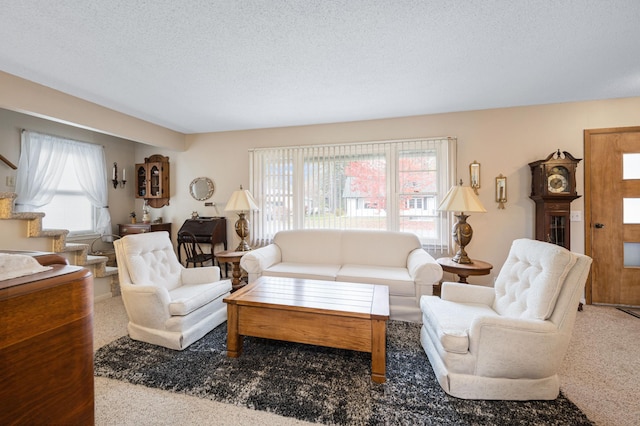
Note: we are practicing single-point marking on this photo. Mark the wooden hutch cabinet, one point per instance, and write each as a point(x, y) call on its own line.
point(152, 180)
point(553, 188)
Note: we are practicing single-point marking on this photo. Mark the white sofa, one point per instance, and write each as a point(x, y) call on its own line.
point(507, 342)
point(394, 259)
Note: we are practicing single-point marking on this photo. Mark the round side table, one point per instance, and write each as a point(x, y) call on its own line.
point(233, 257)
point(463, 270)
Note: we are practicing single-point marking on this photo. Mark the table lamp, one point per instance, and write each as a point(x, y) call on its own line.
point(241, 201)
point(461, 199)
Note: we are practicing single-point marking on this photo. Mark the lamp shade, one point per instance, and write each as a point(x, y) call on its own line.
point(241, 201)
point(461, 199)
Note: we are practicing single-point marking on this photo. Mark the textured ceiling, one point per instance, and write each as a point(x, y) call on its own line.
point(204, 65)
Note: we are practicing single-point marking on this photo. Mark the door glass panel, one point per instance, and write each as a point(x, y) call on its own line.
point(631, 254)
point(630, 166)
point(631, 210)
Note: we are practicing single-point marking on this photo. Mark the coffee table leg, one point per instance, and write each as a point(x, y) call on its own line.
point(378, 351)
point(234, 340)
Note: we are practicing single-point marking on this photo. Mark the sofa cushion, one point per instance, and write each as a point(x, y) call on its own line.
point(311, 271)
point(188, 298)
point(310, 246)
point(397, 279)
point(531, 279)
point(451, 321)
point(381, 248)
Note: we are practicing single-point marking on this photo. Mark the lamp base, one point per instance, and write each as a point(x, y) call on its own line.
point(462, 233)
point(242, 229)
point(243, 246)
point(462, 257)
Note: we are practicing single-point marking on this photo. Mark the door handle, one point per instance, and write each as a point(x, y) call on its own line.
point(599, 225)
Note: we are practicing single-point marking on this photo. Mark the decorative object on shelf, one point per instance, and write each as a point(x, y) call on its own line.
point(152, 181)
point(553, 188)
point(242, 201)
point(474, 176)
point(195, 215)
point(501, 191)
point(114, 176)
point(146, 217)
point(202, 188)
point(462, 199)
point(132, 215)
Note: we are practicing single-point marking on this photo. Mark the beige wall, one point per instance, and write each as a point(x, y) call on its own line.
point(501, 140)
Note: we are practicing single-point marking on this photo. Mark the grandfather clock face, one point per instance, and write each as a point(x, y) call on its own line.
point(558, 180)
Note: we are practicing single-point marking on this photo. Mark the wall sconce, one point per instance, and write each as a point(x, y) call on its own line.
point(501, 191)
point(114, 178)
point(474, 176)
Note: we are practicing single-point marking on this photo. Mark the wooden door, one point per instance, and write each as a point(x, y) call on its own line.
point(612, 215)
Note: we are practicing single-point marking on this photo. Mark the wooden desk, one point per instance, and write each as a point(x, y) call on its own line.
point(463, 270)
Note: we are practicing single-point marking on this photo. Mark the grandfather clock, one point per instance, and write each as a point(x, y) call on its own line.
point(553, 188)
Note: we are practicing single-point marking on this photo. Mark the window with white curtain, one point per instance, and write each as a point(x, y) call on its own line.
point(390, 185)
point(65, 179)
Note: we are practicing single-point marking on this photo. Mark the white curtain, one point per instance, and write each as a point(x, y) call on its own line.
point(42, 160)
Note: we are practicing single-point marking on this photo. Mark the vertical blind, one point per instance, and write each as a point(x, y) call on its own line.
point(388, 185)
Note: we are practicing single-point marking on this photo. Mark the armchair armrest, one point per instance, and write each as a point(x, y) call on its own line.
point(256, 261)
point(467, 293)
point(516, 348)
point(207, 274)
point(146, 305)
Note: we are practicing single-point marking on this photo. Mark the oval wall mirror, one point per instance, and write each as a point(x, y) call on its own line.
point(202, 188)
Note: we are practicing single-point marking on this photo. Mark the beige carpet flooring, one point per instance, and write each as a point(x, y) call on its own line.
point(600, 374)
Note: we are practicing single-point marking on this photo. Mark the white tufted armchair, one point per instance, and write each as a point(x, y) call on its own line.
point(167, 304)
point(506, 342)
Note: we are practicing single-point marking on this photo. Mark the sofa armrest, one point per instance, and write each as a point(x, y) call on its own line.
point(256, 261)
point(467, 293)
point(516, 348)
point(207, 274)
point(424, 271)
point(423, 268)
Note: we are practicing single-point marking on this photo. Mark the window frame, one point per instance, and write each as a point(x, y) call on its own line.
point(294, 161)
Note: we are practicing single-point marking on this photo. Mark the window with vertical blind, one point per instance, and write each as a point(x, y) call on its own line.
point(390, 185)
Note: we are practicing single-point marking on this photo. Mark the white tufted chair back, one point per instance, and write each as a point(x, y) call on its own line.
point(150, 260)
point(531, 279)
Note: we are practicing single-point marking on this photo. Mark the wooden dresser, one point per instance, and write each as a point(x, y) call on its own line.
point(46, 346)
point(140, 228)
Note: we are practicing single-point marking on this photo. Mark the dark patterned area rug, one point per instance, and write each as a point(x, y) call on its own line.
point(321, 385)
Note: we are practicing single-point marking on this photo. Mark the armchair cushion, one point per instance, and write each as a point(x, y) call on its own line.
point(530, 280)
point(451, 320)
point(188, 298)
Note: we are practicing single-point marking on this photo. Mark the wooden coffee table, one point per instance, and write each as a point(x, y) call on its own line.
point(324, 313)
